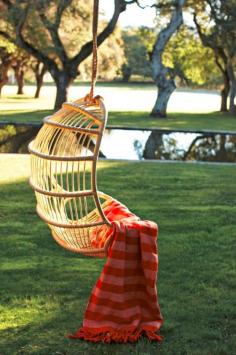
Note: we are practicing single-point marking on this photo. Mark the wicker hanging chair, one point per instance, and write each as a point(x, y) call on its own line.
point(63, 171)
point(63, 175)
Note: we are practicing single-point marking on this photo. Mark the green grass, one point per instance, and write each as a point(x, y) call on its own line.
point(198, 121)
point(44, 289)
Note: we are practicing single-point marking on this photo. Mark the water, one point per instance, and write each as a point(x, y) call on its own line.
point(139, 144)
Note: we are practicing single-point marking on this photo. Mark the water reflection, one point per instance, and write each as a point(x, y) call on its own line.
point(15, 138)
point(139, 144)
point(190, 146)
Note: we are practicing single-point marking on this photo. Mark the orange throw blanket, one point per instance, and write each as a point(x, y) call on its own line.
point(123, 304)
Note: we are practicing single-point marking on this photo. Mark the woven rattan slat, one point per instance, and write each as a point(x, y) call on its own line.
point(74, 106)
point(59, 158)
point(75, 129)
point(75, 225)
point(62, 194)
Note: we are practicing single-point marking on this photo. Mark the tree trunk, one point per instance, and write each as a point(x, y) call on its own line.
point(20, 82)
point(126, 73)
point(232, 106)
point(222, 153)
point(164, 76)
point(39, 84)
point(1, 86)
point(62, 80)
point(224, 98)
point(165, 88)
point(39, 75)
point(153, 146)
point(19, 75)
point(3, 76)
point(222, 65)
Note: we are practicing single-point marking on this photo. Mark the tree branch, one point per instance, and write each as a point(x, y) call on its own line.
point(137, 3)
point(218, 63)
point(208, 41)
point(7, 36)
point(204, 38)
point(192, 145)
point(63, 4)
point(53, 28)
point(29, 47)
point(174, 24)
point(163, 38)
point(86, 50)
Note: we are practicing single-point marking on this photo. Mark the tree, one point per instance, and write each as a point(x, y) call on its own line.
point(195, 63)
point(7, 58)
point(164, 76)
point(42, 28)
point(111, 58)
point(136, 51)
point(39, 69)
point(215, 22)
point(20, 65)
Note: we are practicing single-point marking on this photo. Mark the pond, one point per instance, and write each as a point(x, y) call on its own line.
point(138, 144)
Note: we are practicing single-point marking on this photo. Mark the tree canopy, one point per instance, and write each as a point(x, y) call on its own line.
point(56, 33)
point(137, 51)
point(215, 22)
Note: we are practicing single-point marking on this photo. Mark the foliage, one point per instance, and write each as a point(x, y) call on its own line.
point(110, 58)
point(186, 53)
point(7, 52)
point(16, 138)
point(215, 22)
point(42, 17)
point(44, 289)
point(137, 46)
point(19, 59)
point(8, 46)
point(217, 19)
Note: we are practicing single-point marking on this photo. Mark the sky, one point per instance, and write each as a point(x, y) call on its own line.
point(133, 16)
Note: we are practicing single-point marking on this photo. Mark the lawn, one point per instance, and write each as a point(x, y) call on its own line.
point(192, 121)
point(44, 289)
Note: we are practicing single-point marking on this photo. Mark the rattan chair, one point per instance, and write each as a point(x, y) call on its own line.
point(63, 174)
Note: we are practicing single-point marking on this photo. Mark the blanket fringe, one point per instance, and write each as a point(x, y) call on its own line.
point(109, 335)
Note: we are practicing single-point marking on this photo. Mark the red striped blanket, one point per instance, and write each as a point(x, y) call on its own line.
point(123, 304)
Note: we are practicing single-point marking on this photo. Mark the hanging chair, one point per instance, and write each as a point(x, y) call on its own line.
point(63, 175)
point(63, 171)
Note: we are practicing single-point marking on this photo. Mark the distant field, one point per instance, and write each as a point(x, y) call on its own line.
point(118, 97)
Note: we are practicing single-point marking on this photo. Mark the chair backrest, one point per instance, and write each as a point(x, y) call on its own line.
point(63, 174)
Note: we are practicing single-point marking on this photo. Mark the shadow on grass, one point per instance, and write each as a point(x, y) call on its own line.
point(44, 289)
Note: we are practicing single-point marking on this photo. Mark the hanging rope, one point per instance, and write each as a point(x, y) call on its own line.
point(94, 62)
